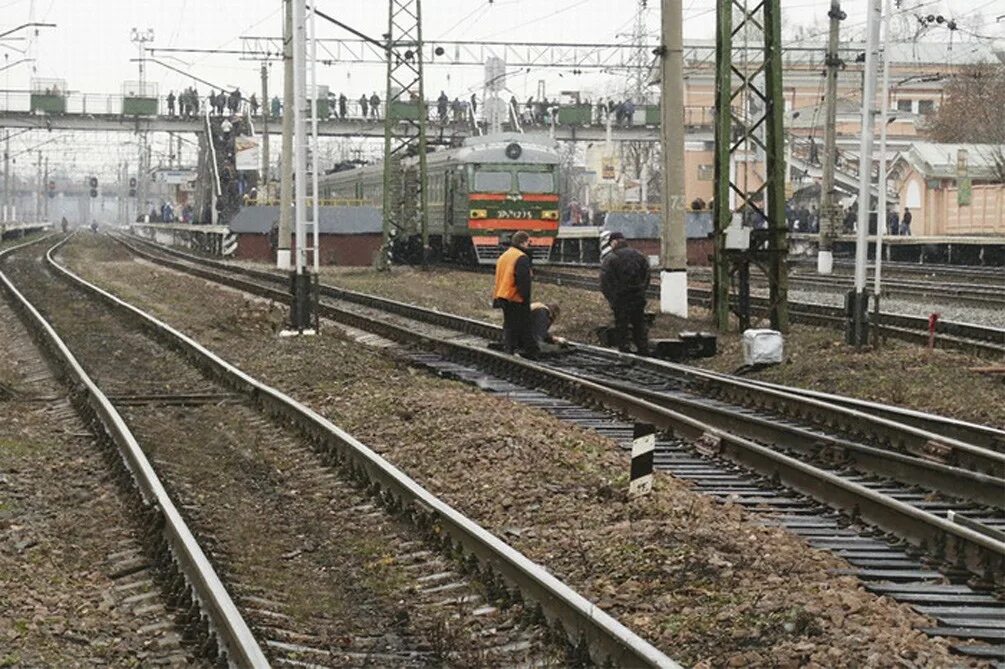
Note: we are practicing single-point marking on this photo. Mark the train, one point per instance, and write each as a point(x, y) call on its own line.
point(478, 195)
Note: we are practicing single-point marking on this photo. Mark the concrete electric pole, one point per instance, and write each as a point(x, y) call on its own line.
point(673, 236)
point(38, 191)
point(140, 38)
point(301, 312)
point(858, 333)
point(881, 209)
point(285, 241)
point(8, 213)
point(828, 207)
point(263, 190)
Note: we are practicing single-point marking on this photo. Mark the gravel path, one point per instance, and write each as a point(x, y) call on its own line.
point(707, 584)
point(77, 588)
point(318, 571)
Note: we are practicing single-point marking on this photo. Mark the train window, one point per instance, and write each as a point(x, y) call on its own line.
point(536, 182)
point(492, 182)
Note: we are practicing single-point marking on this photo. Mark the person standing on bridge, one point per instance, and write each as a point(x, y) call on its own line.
point(277, 107)
point(363, 106)
point(253, 102)
point(893, 223)
point(441, 106)
point(905, 223)
point(170, 101)
point(343, 104)
point(375, 106)
point(624, 279)
point(512, 294)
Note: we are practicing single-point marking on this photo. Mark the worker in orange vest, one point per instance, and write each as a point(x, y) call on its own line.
point(512, 295)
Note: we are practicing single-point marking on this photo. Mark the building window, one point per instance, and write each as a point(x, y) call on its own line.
point(904, 105)
point(706, 172)
point(926, 106)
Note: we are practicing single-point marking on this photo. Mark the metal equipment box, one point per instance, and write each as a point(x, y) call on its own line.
point(137, 106)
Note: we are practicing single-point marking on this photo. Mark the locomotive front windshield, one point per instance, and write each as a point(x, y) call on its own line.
point(496, 180)
point(492, 181)
point(536, 182)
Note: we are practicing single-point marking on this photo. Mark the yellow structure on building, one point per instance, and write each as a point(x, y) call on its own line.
point(952, 189)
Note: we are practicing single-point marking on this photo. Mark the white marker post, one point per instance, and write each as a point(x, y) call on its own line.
point(643, 454)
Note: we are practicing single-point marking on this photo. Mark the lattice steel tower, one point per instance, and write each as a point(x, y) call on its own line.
point(404, 134)
point(753, 125)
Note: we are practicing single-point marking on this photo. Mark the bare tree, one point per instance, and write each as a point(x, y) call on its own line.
point(972, 111)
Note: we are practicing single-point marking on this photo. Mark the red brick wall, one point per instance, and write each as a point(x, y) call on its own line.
point(346, 250)
point(698, 250)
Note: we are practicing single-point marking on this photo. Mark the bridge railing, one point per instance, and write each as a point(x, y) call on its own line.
point(520, 116)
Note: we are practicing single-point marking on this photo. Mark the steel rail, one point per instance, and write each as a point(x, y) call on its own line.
point(904, 467)
point(984, 436)
point(976, 294)
point(225, 622)
point(979, 449)
point(978, 551)
point(582, 621)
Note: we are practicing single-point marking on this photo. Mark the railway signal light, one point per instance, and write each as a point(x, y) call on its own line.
point(132, 186)
point(93, 182)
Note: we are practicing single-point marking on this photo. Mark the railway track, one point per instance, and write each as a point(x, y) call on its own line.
point(964, 336)
point(934, 485)
point(988, 295)
point(350, 550)
point(934, 270)
point(170, 553)
point(71, 544)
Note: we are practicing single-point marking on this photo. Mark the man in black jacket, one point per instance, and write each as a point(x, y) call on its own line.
point(624, 278)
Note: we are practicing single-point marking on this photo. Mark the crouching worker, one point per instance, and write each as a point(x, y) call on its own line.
point(542, 317)
point(624, 279)
point(512, 295)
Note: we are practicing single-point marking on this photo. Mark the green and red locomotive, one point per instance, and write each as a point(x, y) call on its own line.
point(477, 194)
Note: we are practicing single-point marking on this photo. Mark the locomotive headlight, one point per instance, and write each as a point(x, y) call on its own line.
point(478, 213)
point(550, 215)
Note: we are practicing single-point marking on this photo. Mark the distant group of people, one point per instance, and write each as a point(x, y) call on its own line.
point(167, 212)
point(457, 110)
point(187, 103)
point(624, 280)
point(802, 218)
point(898, 225)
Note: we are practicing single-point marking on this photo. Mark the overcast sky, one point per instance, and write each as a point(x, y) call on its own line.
point(91, 49)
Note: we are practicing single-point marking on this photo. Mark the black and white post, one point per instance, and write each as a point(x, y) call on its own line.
point(643, 451)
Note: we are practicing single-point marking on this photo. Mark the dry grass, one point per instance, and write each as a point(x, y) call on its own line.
point(701, 580)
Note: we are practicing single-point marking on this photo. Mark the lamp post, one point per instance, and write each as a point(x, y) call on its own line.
point(140, 38)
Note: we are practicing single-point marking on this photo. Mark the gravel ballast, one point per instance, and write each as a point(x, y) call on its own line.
point(900, 373)
point(703, 581)
point(309, 559)
point(70, 592)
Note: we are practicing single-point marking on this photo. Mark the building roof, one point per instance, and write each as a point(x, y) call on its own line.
point(939, 161)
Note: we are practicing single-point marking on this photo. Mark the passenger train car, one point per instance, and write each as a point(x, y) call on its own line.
point(477, 195)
